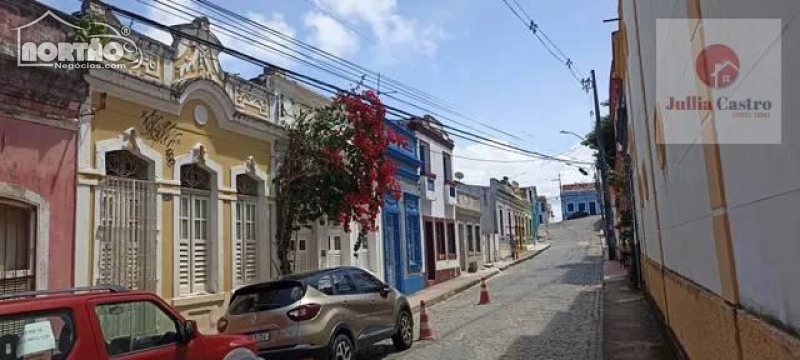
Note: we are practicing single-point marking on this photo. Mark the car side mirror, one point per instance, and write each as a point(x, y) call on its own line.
point(385, 290)
point(188, 331)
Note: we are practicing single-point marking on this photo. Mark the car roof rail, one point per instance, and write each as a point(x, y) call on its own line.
point(35, 293)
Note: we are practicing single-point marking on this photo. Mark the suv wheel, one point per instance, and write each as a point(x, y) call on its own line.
point(342, 348)
point(404, 336)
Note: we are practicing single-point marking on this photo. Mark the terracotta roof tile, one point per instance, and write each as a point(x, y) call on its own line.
point(578, 187)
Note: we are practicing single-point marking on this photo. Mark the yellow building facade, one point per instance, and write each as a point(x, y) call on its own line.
point(174, 192)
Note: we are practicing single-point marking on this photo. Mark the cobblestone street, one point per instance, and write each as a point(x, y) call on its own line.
point(543, 308)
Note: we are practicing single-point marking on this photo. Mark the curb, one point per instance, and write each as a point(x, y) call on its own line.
point(600, 313)
point(449, 294)
point(471, 283)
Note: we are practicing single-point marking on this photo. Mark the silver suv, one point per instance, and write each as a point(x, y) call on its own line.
point(324, 314)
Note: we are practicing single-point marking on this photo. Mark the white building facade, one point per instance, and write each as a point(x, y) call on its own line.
point(438, 201)
point(323, 245)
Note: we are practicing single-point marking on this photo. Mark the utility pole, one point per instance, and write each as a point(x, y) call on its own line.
point(611, 241)
point(561, 196)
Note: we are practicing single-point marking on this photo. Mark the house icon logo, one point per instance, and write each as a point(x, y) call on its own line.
point(717, 66)
point(108, 48)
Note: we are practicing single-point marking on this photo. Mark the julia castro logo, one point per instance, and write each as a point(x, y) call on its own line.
point(718, 67)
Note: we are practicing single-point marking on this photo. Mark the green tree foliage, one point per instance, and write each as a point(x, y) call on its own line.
point(608, 141)
point(90, 26)
point(335, 170)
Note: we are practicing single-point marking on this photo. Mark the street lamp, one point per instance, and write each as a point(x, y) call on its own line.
point(565, 132)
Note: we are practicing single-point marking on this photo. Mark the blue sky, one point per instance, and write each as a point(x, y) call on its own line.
point(473, 54)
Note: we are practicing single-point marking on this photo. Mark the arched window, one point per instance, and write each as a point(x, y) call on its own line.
point(195, 177)
point(247, 234)
point(195, 243)
point(246, 185)
point(124, 164)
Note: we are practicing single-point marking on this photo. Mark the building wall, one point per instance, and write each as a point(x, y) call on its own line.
point(39, 107)
point(718, 235)
point(437, 208)
point(447, 266)
point(406, 257)
point(224, 148)
point(40, 158)
point(463, 220)
point(580, 197)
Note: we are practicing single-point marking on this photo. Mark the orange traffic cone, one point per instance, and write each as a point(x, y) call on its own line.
point(484, 293)
point(425, 332)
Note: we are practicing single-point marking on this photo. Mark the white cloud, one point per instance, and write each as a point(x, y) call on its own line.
point(540, 173)
point(329, 35)
point(255, 48)
point(393, 31)
point(274, 21)
point(165, 15)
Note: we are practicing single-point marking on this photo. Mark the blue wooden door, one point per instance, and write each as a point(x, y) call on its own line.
point(391, 238)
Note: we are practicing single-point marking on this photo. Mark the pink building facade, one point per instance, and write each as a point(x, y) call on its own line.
point(39, 116)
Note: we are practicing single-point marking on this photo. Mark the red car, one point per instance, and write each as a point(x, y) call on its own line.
point(106, 322)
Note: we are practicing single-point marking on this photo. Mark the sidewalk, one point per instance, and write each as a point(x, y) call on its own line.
point(630, 328)
point(447, 289)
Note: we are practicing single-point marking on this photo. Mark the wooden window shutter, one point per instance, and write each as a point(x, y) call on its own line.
point(238, 274)
point(200, 246)
point(250, 255)
point(184, 246)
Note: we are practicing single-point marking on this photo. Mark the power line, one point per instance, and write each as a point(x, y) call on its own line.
point(524, 151)
point(485, 160)
point(321, 84)
point(346, 24)
point(540, 35)
point(406, 90)
point(399, 112)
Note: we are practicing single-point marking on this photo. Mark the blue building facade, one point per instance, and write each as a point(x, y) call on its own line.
point(401, 218)
point(580, 198)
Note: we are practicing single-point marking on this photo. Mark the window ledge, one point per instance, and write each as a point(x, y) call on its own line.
point(190, 300)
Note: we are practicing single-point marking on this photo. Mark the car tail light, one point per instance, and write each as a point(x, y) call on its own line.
point(222, 324)
point(304, 312)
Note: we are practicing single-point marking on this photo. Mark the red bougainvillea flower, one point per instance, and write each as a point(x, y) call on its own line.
point(363, 157)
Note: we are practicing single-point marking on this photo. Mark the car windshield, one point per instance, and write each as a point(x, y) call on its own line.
point(266, 297)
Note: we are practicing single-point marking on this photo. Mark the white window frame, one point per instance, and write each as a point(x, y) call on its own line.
point(215, 274)
point(246, 221)
point(193, 196)
point(29, 242)
point(262, 228)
